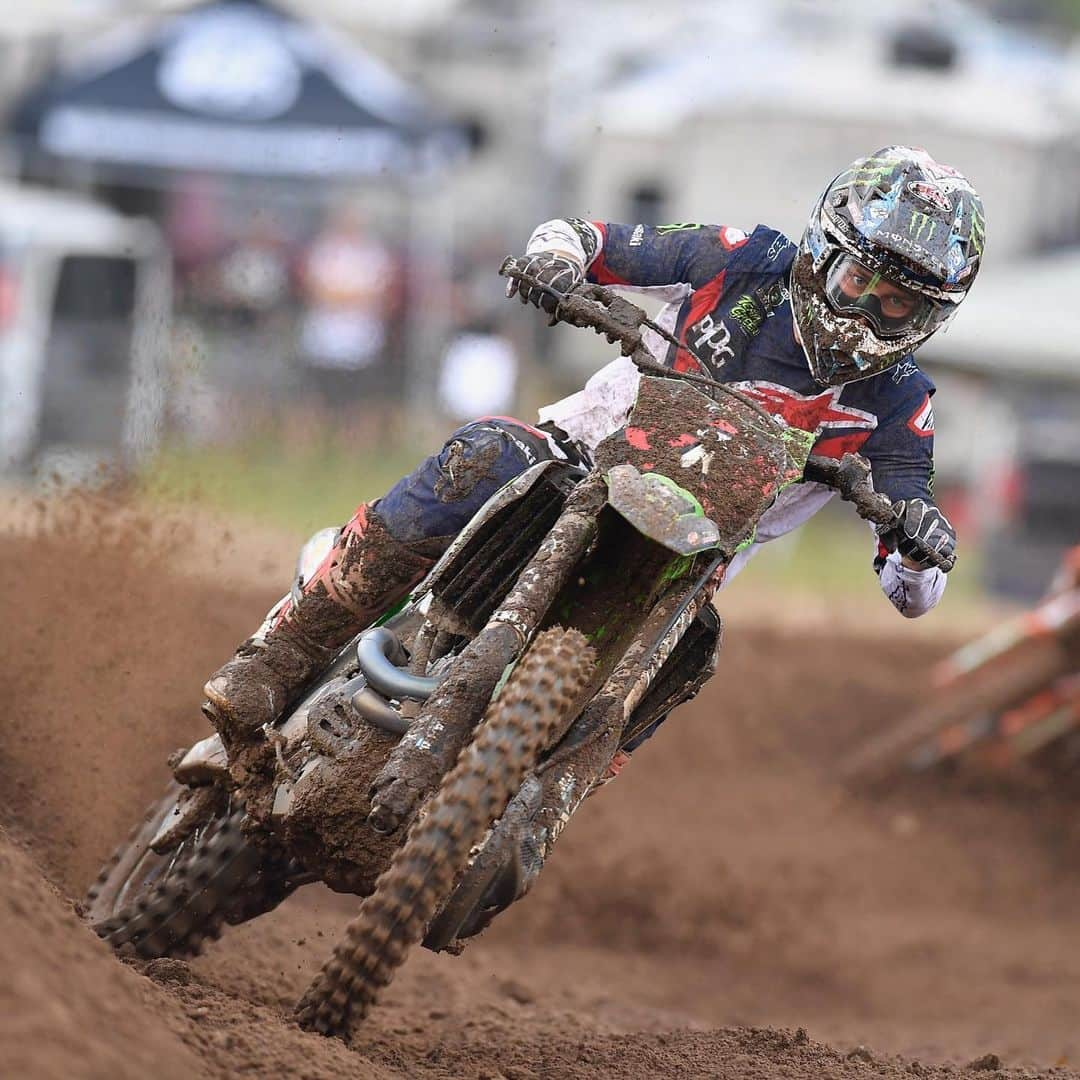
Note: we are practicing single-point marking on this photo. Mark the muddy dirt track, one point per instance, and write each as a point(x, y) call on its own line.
point(724, 909)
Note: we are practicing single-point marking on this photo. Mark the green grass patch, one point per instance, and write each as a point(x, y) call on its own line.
point(300, 490)
point(321, 484)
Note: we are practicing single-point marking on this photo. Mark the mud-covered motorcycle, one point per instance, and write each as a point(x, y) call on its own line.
point(420, 768)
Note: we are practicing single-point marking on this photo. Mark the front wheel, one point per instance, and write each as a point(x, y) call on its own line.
point(536, 702)
point(168, 904)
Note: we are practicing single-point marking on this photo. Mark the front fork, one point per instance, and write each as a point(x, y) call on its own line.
point(447, 719)
point(504, 869)
point(601, 730)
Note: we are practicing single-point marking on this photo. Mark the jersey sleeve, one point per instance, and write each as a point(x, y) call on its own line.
point(649, 255)
point(641, 255)
point(901, 456)
point(901, 449)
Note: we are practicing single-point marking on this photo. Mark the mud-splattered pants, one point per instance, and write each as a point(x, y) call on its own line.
point(430, 506)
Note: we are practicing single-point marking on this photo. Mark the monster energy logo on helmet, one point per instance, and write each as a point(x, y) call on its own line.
point(866, 173)
point(921, 226)
point(910, 218)
point(978, 228)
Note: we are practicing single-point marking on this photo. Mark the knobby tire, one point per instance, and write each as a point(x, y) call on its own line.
point(518, 725)
point(155, 905)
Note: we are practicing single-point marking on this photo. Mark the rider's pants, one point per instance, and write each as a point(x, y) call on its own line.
point(430, 506)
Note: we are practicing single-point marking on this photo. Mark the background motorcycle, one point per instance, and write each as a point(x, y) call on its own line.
point(1011, 695)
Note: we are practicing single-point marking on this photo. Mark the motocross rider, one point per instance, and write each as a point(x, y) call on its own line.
point(821, 333)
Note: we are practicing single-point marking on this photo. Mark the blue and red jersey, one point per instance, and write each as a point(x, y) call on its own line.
point(730, 307)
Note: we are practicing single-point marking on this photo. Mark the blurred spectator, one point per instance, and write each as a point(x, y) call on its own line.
point(478, 374)
point(347, 286)
point(478, 291)
point(253, 278)
point(194, 224)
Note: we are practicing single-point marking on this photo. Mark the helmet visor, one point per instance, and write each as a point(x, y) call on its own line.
point(891, 309)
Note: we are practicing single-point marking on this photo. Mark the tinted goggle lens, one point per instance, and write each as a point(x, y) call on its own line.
point(855, 289)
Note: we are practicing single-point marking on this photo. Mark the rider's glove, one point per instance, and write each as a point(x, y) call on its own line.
point(555, 270)
point(919, 521)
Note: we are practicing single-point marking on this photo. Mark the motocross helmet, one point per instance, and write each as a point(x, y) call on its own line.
point(892, 247)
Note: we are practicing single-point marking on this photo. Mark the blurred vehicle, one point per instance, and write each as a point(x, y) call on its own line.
point(85, 300)
point(1041, 510)
point(1011, 695)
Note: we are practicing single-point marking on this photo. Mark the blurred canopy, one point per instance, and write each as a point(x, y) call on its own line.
point(233, 86)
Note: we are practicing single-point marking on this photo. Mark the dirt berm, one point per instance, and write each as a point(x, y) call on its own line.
point(723, 898)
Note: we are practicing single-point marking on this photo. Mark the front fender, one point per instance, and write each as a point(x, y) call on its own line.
point(724, 454)
point(661, 510)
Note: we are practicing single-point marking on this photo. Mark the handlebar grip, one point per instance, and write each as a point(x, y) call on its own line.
point(850, 476)
point(931, 557)
point(926, 554)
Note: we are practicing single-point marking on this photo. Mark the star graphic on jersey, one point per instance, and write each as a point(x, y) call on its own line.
point(820, 413)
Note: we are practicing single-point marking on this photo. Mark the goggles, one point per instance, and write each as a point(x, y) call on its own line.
point(892, 310)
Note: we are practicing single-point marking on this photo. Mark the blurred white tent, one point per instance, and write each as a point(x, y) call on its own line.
point(1020, 320)
point(745, 118)
point(741, 116)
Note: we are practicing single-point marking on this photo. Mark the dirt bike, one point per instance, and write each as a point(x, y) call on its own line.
point(566, 620)
point(1011, 695)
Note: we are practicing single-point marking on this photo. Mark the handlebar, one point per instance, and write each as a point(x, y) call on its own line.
point(850, 476)
point(597, 308)
point(594, 307)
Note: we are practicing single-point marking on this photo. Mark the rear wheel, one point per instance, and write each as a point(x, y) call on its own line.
point(536, 700)
point(168, 904)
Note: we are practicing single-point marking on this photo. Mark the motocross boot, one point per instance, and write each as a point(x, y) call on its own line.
point(365, 572)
